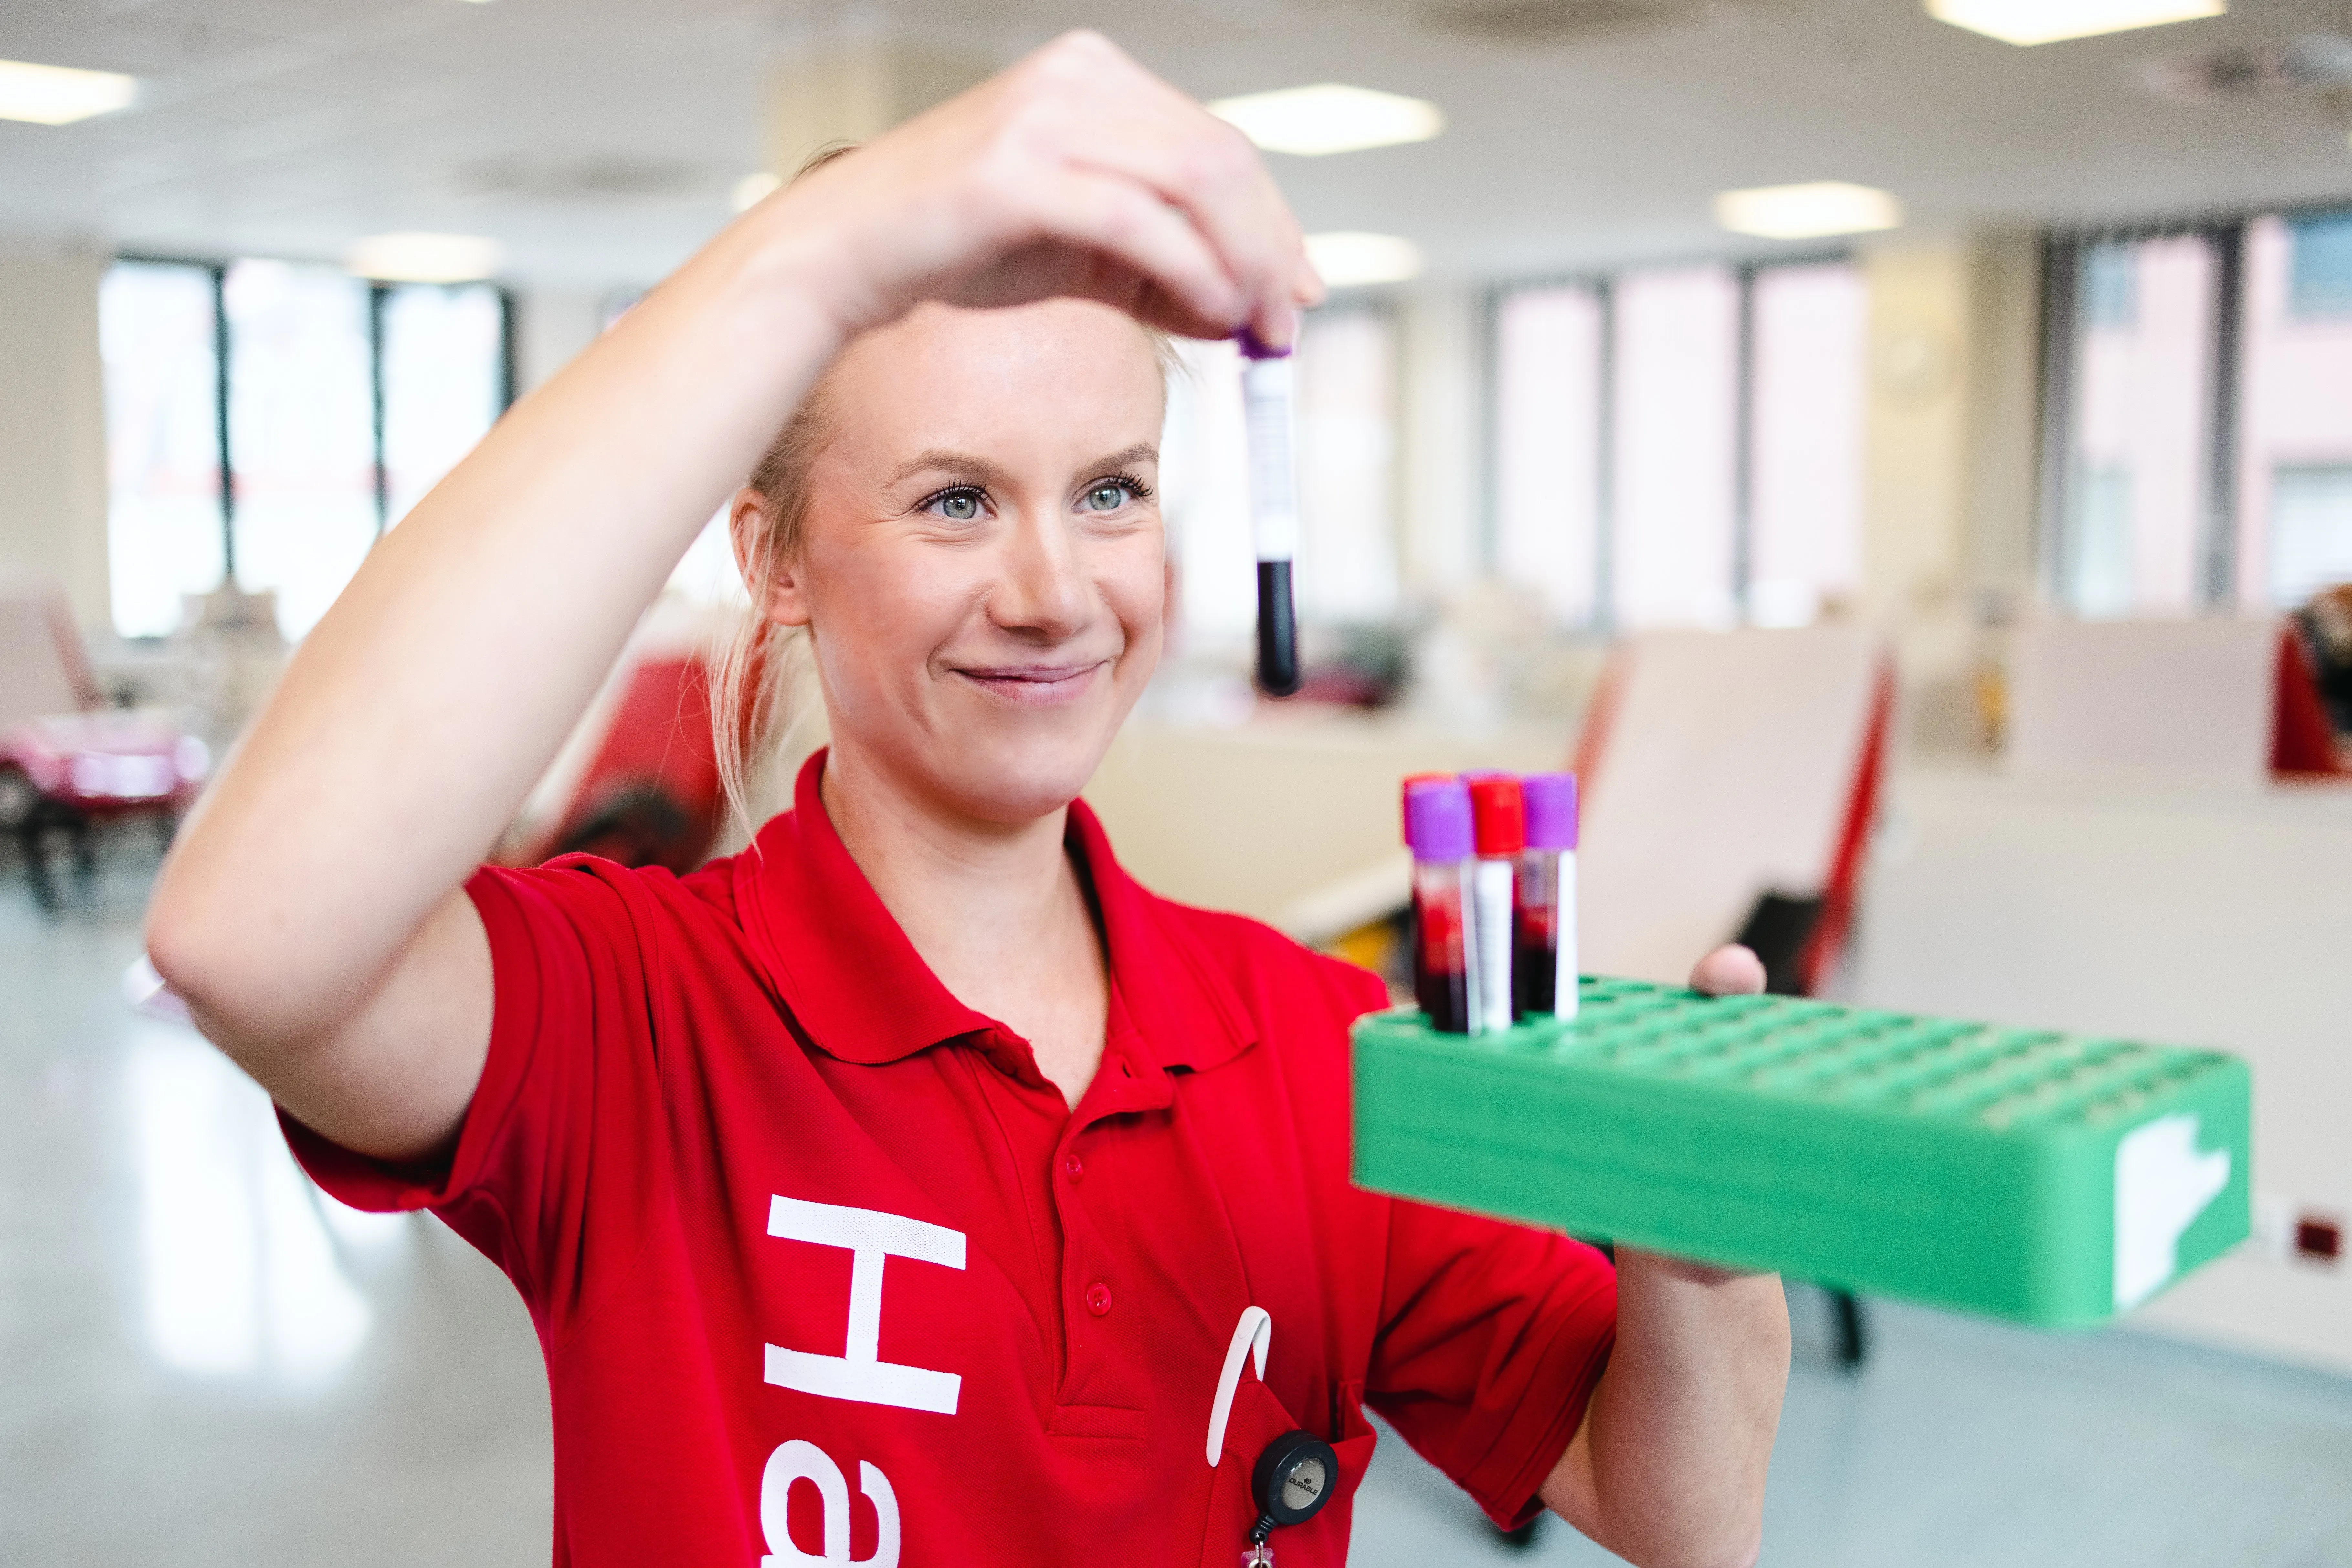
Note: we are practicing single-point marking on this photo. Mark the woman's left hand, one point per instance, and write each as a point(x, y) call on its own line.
point(1668, 1465)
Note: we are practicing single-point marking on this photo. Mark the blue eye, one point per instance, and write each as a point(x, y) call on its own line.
point(959, 505)
point(1106, 498)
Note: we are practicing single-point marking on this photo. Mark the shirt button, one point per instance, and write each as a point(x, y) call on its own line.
point(1072, 1166)
point(1099, 1299)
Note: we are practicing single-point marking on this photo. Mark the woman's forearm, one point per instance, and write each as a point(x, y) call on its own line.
point(413, 721)
point(1668, 1468)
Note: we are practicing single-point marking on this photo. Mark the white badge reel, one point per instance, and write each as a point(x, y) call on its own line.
point(1292, 1479)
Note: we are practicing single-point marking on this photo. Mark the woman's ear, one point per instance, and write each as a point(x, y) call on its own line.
point(774, 585)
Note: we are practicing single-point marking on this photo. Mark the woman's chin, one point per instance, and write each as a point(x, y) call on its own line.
point(1019, 777)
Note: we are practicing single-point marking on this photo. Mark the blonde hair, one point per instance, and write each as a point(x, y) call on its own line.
point(756, 701)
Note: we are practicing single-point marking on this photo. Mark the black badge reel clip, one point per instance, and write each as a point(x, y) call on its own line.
point(1292, 1479)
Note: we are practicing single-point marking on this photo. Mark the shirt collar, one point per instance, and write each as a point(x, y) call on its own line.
point(862, 993)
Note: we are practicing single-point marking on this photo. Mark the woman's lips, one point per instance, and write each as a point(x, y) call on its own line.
point(1036, 685)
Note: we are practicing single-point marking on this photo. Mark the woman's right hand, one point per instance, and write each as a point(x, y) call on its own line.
point(1074, 172)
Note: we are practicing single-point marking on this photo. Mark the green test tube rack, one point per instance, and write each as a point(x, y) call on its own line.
point(2046, 1178)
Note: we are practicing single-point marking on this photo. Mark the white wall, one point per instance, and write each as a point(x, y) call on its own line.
point(53, 425)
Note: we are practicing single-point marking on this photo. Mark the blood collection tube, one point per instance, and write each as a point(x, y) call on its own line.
point(1274, 507)
point(1500, 819)
point(1546, 969)
point(1437, 829)
point(1414, 781)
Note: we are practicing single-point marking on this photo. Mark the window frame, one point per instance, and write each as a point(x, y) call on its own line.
point(379, 291)
point(1603, 287)
point(2219, 566)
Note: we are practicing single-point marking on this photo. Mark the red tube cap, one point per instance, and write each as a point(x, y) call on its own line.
point(1498, 815)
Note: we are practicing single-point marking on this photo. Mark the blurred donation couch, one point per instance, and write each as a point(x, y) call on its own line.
point(69, 765)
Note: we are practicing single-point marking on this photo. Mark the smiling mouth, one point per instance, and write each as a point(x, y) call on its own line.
point(1036, 685)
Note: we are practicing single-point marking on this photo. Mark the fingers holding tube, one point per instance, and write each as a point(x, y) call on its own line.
point(1073, 172)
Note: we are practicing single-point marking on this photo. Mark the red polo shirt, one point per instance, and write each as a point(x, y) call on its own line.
point(825, 1270)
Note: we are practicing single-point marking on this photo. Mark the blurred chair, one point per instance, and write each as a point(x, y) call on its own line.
point(638, 782)
point(1730, 779)
point(68, 765)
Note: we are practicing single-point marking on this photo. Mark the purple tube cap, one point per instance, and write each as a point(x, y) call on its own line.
point(1551, 810)
point(1255, 347)
point(1437, 823)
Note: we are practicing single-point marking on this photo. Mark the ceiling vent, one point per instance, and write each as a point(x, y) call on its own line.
point(2286, 68)
point(1563, 21)
point(593, 178)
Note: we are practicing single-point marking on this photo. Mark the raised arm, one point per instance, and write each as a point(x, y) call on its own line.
point(312, 912)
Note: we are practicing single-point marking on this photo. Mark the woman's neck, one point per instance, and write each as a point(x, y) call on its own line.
point(995, 910)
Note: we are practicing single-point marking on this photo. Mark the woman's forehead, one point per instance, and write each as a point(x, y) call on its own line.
point(1067, 361)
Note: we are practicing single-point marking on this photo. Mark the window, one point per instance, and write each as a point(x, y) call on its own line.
point(1807, 386)
point(1547, 371)
point(301, 438)
point(1683, 446)
point(1346, 433)
point(1347, 466)
point(444, 381)
point(2311, 529)
point(2294, 524)
point(1204, 497)
point(342, 401)
point(2202, 407)
point(1677, 394)
point(2321, 268)
point(158, 329)
point(2135, 472)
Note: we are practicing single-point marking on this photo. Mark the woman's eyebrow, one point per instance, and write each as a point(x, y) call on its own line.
point(939, 460)
point(1127, 458)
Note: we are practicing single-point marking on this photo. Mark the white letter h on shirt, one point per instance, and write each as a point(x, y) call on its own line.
point(859, 1373)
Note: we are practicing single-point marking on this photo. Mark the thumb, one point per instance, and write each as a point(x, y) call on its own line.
point(1729, 970)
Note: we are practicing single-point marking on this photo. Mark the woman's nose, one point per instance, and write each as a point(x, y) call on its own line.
point(1041, 589)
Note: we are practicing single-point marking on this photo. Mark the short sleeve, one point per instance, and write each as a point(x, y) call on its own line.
point(1492, 1337)
point(570, 1067)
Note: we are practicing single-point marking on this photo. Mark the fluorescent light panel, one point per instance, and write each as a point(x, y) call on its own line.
point(2048, 21)
point(1350, 258)
point(1329, 117)
point(425, 258)
point(59, 95)
point(1808, 211)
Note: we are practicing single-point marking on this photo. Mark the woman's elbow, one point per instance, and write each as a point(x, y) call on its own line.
point(200, 945)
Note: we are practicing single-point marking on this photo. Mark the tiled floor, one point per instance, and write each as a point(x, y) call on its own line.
point(203, 1363)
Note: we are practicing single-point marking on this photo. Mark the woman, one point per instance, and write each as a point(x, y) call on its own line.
point(894, 1191)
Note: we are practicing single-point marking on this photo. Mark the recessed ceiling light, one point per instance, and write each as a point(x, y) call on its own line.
point(1808, 211)
point(752, 188)
point(1329, 117)
point(423, 257)
point(2048, 21)
point(59, 95)
point(1348, 258)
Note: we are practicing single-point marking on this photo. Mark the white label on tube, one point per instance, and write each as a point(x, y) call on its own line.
point(1564, 922)
point(1274, 476)
point(1472, 1015)
point(1492, 884)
